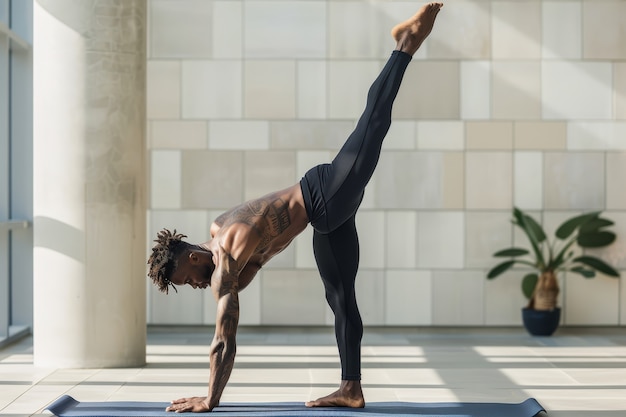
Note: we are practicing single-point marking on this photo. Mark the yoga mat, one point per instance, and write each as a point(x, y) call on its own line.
point(67, 406)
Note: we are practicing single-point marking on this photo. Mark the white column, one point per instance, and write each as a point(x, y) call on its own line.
point(89, 183)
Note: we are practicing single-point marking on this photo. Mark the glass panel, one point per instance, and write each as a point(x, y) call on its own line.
point(4, 12)
point(4, 184)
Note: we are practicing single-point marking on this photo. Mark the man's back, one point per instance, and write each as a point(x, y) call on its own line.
point(255, 231)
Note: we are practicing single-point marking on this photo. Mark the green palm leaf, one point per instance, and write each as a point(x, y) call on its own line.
point(528, 285)
point(597, 264)
point(511, 252)
point(536, 229)
point(533, 231)
point(593, 225)
point(587, 273)
point(500, 268)
point(566, 229)
point(595, 239)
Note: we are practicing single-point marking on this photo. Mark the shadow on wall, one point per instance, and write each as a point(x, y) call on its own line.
point(60, 237)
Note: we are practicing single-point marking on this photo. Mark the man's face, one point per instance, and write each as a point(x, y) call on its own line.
point(193, 271)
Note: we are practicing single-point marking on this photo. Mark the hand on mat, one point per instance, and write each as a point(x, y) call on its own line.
point(193, 404)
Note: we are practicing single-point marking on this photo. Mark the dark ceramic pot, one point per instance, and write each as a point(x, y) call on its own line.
point(541, 323)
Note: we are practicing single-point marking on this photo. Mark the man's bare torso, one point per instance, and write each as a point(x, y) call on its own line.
point(255, 231)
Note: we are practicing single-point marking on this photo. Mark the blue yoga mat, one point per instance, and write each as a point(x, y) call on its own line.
point(67, 406)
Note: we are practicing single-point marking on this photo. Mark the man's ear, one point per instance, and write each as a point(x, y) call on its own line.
point(193, 257)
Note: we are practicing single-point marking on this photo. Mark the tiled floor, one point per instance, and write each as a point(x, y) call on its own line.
point(575, 373)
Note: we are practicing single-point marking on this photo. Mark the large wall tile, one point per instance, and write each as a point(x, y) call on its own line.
point(292, 297)
point(603, 30)
point(489, 135)
point(284, 260)
point(615, 175)
point(516, 30)
point(270, 89)
point(486, 232)
point(305, 160)
point(457, 297)
point(418, 180)
point(267, 172)
point(454, 180)
point(592, 97)
point(209, 308)
point(440, 135)
point(516, 87)
point(430, 90)
point(195, 224)
point(528, 180)
point(163, 90)
point(165, 183)
point(440, 240)
point(401, 239)
point(371, 230)
point(504, 299)
point(489, 180)
point(475, 90)
point(408, 298)
point(462, 32)
point(250, 302)
point(348, 85)
point(598, 136)
point(401, 135)
point(212, 179)
point(227, 29)
point(409, 180)
point(304, 250)
point(622, 318)
point(370, 295)
point(574, 180)
point(178, 134)
point(309, 135)
point(584, 297)
point(239, 135)
point(279, 29)
point(181, 28)
point(561, 30)
point(619, 89)
point(212, 89)
point(311, 89)
point(540, 135)
point(184, 306)
point(354, 30)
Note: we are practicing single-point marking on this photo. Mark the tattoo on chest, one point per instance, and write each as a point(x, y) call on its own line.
point(269, 217)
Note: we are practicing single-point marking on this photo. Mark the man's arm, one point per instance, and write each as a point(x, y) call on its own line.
point(225, 287)
point(224, 346)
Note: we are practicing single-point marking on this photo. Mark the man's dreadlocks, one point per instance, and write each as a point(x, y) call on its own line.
point(164, 258)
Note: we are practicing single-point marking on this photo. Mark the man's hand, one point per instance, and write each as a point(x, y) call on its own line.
point(193, 404)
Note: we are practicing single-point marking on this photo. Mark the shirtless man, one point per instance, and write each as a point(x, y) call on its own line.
point(246, 237)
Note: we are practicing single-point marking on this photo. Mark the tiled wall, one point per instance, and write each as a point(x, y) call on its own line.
point(507, 103)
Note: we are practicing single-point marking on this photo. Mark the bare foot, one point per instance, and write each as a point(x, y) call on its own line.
point(410, 34)
point(349, 394)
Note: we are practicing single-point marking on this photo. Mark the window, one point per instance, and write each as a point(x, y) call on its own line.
point(15, 167)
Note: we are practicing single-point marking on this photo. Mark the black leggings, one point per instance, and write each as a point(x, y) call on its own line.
point(332, 195)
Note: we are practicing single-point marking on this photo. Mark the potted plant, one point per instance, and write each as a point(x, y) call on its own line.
point(550, 257)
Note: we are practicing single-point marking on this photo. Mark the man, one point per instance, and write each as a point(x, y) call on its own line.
point(249, 235)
